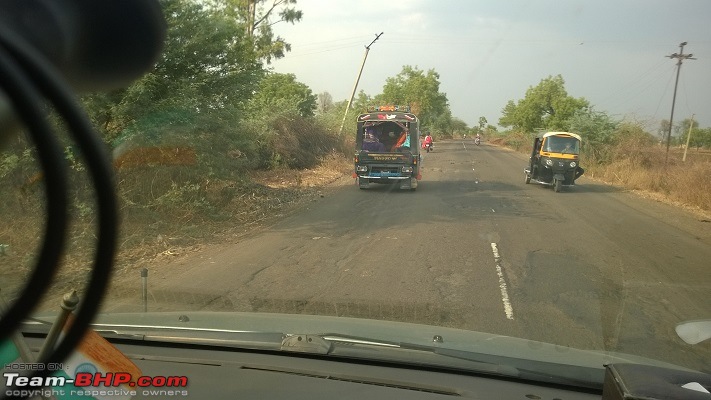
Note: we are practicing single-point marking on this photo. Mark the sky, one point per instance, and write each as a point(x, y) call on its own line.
point(612, 53)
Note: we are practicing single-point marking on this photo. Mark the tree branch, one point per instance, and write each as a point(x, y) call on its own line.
point(275, 4)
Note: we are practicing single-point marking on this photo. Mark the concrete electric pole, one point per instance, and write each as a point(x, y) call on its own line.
point(680, 57)
point(348, 107)
point(688, 137)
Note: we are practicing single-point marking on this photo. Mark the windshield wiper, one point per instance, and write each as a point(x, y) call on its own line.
point(341, 345)
point(180, 335)
point(509, 366)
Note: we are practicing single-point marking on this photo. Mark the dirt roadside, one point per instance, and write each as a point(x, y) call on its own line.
point(293, 190)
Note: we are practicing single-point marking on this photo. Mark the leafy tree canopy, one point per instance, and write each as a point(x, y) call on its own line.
point(419, 89)
point(595, 127)
point(207, 67)
point(257, 17)
point(277, 88)
point(482, 123)
point(545, 106)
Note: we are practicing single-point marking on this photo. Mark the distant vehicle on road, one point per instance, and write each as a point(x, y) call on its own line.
point(387, 147)
point(555, 160)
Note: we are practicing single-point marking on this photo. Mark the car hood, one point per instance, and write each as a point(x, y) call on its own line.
point(374, 330)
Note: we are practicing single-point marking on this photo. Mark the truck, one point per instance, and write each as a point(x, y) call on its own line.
point(387, 147)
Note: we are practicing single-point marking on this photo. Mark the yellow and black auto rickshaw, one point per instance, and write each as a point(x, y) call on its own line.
point(555, 160)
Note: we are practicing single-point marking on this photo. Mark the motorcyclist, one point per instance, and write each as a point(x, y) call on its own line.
point(428, 140)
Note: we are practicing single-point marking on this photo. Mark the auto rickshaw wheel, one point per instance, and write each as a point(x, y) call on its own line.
point(557, 184)
point(528, 179)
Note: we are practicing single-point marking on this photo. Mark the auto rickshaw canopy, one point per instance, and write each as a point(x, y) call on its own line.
point(547, 134)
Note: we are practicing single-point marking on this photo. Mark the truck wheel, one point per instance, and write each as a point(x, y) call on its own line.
point(363, 183)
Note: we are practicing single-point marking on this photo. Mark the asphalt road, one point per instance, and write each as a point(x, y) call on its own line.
point(475, 248)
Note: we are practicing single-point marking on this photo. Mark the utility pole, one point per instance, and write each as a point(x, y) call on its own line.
point(680, 57)
point(348, 107)
point(688, 137)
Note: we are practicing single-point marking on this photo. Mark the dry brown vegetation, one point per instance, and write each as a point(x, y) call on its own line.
point(645, 168)
point(173, 200)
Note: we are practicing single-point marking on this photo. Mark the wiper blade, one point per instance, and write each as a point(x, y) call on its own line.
point(180, 335)
point(498, 364)
point(479, 364)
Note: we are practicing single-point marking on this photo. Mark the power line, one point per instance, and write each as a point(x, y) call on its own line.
point(656, 111)
point(634, 88)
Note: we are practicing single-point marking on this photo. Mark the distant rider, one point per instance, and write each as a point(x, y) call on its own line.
point(428, 140)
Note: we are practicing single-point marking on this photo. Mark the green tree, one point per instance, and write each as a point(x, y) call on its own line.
point(275, 90)
point(325, 102)
point(594, 127)
point(458, 126)
point(545, 106)
point(663, 130)
point(361, 102)
point(420, 90)
point(598, 130)
point(482, 123)
point(442, 124)
point(682, 129)
point(257, 18)
point(207, 68)
point(700, 138)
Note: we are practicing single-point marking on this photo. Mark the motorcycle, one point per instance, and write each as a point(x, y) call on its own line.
point(477, 141)
point(429, 147)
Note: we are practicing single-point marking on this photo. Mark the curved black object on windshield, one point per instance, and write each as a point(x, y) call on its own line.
point(46, 49)
point(96, 45)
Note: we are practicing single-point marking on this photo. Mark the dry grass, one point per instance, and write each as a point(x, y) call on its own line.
point(330, 168)
point(166, 210)
point(641, 168)
point(687, 183)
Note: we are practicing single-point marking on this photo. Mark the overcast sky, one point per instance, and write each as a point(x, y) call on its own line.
point(488, 52)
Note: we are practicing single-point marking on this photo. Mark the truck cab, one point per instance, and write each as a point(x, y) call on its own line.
point(387, 149)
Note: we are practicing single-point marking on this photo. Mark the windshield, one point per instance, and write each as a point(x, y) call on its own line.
point(246, 182)
point(561, 144)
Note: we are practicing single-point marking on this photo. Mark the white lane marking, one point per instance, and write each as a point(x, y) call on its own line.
point(502, 282)
point(465, 147)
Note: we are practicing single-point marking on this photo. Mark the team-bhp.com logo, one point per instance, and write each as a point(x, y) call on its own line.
point(95, 384)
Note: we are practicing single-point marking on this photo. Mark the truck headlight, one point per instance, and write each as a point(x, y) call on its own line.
point(549, 162)
point(573, 164)
point(362, 168)
point(407, 170)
